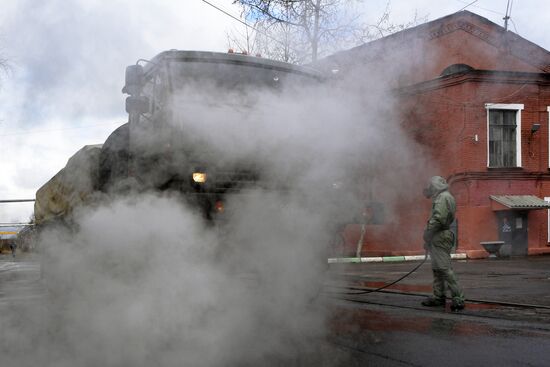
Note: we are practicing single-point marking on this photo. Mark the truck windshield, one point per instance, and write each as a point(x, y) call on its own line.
point(231, 76)
point(179, 89)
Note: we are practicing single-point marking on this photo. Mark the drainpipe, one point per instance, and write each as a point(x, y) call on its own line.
point(360, 241)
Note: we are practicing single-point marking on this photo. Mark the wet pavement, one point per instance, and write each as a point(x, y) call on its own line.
point(391, 328)
point(519, 280)
point(500, 325)
point(19, 279)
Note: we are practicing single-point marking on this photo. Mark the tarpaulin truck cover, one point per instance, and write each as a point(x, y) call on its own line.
point(71, 186)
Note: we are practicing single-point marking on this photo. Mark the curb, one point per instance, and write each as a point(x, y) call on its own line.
point(386, 259)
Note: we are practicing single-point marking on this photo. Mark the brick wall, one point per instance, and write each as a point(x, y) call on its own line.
point(445, 114)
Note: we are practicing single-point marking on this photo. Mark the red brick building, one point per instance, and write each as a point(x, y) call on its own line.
point(477, 97)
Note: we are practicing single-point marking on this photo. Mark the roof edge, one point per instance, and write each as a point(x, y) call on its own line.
point(504, 76)
point(538, 56)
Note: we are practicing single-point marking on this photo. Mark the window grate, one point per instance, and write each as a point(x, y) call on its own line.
point(502, 138)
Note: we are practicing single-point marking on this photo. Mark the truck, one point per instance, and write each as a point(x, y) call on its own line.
point(151, 152)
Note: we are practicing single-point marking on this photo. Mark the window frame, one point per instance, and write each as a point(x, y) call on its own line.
point(518, 107)
point(548, 109)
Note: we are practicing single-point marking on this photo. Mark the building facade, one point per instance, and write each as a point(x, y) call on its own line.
point(476, 97)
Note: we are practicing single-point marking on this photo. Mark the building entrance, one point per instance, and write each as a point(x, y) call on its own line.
point(512, 229)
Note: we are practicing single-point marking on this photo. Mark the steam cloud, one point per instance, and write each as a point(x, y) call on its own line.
point(142, 281)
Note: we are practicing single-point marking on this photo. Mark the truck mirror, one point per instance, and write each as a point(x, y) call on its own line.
point(137, 104)
point(133, 80)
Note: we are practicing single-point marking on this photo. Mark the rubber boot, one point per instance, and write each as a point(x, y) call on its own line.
point(457, 306)
point(433, 302)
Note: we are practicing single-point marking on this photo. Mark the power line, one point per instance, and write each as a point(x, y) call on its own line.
point(514, 24)
point(473, 2)
point(482, 8)
point(506, 15)
point(246, 24)
point(230, 15)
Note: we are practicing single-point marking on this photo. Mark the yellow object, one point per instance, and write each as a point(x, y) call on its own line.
point(199, 177)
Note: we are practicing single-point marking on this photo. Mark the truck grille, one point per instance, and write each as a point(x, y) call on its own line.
point(225, 180)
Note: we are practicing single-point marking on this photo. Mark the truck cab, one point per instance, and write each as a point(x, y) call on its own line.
point(170, 99)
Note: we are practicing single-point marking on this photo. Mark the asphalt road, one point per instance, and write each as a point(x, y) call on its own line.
point(374, 329)
point(393, 329)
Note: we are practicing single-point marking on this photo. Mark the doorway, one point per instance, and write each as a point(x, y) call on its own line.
point(513, 230)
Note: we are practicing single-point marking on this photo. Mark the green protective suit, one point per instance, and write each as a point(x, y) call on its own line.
point(440, 240)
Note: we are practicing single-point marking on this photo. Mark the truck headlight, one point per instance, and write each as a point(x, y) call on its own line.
point(199, 177)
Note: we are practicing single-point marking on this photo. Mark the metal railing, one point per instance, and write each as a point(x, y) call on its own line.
point(16, 224)
point(3, 225)
point(17, 201)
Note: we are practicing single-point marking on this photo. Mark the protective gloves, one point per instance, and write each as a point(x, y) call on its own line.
point(428, 235)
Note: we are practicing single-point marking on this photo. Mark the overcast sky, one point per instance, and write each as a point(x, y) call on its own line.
point(67, 60)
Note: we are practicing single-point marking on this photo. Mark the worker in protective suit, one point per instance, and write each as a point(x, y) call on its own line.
point(439, 241)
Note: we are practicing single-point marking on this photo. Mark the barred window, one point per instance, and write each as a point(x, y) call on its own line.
point(503, 138)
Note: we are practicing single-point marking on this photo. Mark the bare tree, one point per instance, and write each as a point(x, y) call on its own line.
point(300, 30)
point(4, 65)
point(309, 23)
point(384, 26)
point(4, 69)
point(278, 41)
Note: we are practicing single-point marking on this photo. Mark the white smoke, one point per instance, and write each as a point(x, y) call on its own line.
point(143, 280)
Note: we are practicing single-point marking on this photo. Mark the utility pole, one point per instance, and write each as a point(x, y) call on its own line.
point(507, 16)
